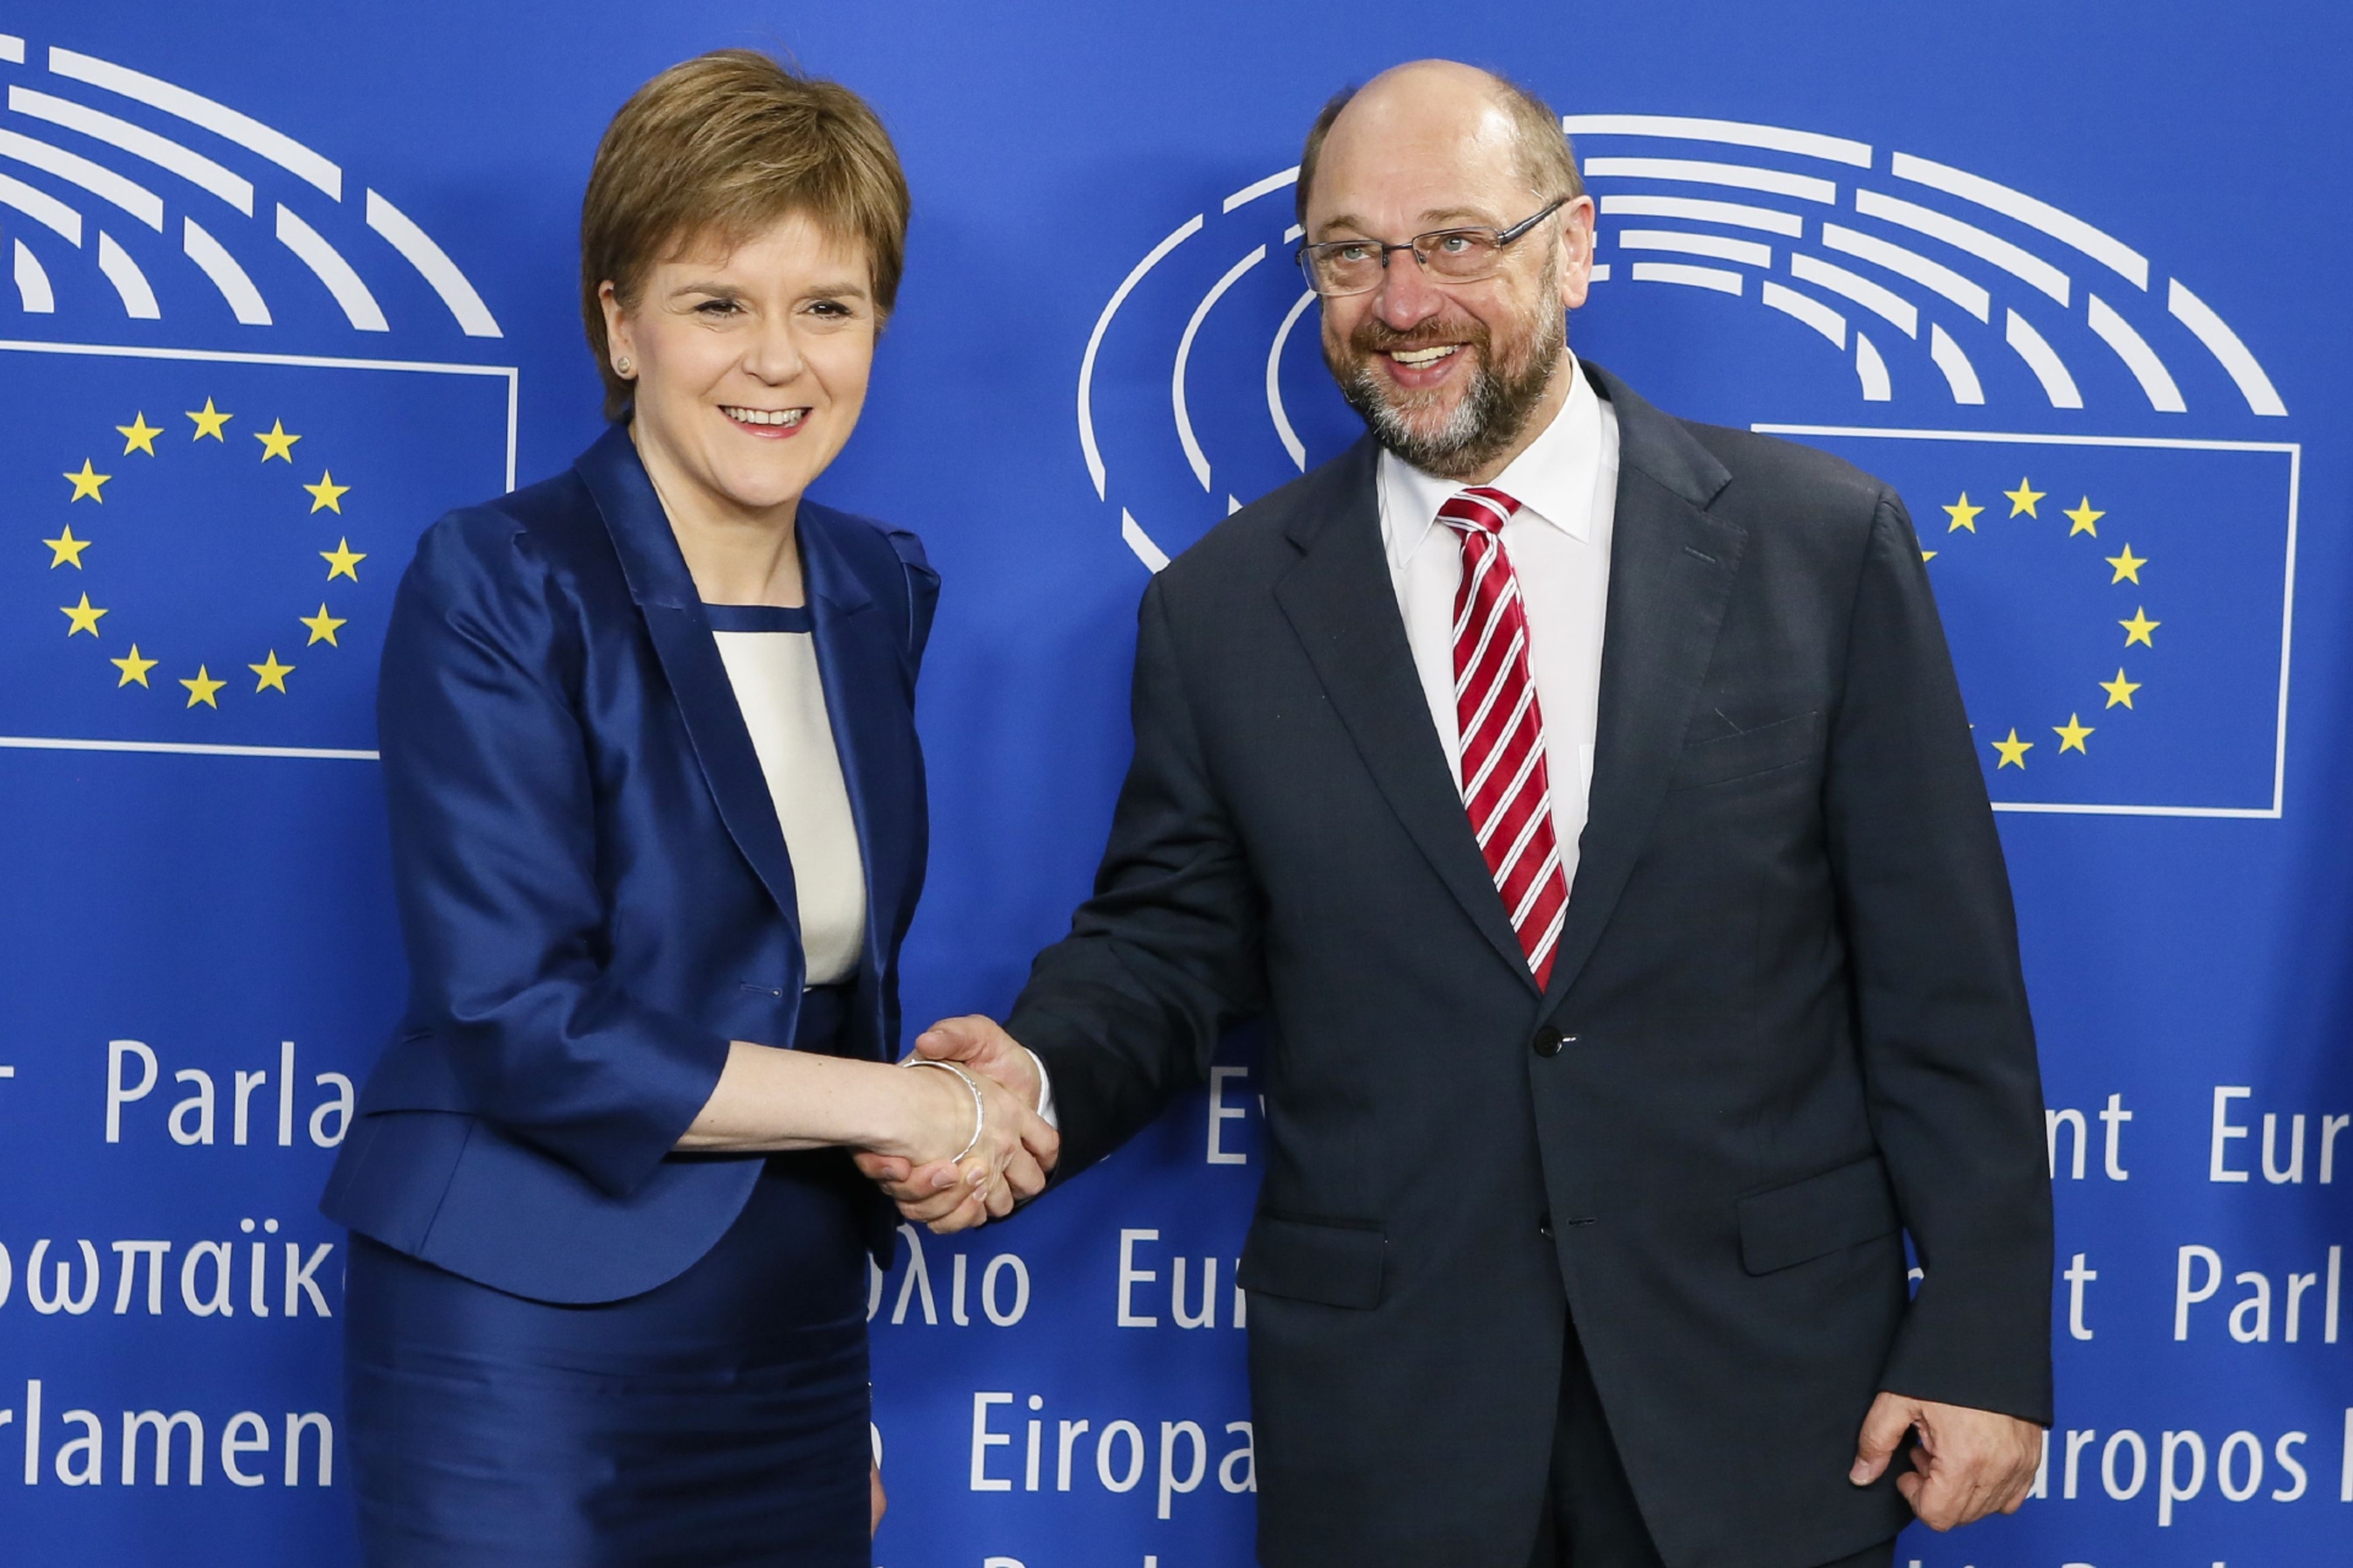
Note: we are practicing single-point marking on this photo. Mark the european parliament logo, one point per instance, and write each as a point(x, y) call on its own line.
point(2087, 447)
point(198, 544)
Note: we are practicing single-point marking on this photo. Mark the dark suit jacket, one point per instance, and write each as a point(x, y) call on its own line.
point(592, 881)
point(1786, 1025)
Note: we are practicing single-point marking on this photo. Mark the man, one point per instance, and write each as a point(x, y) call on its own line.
point(1586, 796)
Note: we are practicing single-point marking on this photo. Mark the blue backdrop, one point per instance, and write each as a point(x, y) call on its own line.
point(285, 281)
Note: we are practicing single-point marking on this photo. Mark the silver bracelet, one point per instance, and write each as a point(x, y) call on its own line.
point(980, 1106)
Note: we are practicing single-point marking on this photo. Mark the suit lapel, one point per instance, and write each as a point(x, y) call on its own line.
point(666, 596)
point(860, 665)
point(1672, 566)
point(1342, 604)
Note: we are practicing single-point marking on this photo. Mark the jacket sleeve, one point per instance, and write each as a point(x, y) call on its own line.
point(1166, 955)
point(1948, 1046)
point(492, 811)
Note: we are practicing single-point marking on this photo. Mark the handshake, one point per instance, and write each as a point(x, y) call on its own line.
point(1010, 1149)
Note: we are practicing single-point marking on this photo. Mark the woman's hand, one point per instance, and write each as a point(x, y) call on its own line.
point(938, 1120)
point(1006, 1164)
point(910, 1128)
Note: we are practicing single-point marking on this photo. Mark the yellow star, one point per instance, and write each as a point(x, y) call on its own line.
point(273, 674)
point(2128, 566)
point(132, 668)
point(202, 688)
point(323, 627)
point(2071, 736)
point(2083, 516)
point(2013, 751)
point(209, 423)
point(2024, 497)
point(276, 443)
point(341, 560)
point(2120, 689)
point(326, 495)
point(87, 482)
point(2137, 630)
point(1963, 514)
point(139, 435)
point(83, 618)
point(65, 550)
point(1926, 557)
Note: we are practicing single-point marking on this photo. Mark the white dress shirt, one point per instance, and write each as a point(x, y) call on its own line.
point(1567, 485)
point(775, 675)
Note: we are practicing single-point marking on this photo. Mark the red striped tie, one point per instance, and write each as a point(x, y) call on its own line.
point(1505, 786)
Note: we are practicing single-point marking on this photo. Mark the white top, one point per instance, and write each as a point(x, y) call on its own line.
point(775, 675)
point(1558, 541)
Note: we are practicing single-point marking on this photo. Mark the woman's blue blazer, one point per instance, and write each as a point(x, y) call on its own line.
point(593, 884)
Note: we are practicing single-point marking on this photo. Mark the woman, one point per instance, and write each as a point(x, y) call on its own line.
point(657, 827)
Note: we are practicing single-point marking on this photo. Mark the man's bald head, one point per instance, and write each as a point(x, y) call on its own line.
point(1422, 91)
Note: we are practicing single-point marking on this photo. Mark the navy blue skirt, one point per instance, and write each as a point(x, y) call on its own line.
point(717, 1419)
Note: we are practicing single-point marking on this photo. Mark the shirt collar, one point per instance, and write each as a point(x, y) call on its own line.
point(1553, 479)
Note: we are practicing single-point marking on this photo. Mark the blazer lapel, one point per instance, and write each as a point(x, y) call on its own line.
point(666, 596)
point(860, 665)
point(1341, 602)
point(1671, 567)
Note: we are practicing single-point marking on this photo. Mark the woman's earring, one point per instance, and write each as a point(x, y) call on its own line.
point(624, 366)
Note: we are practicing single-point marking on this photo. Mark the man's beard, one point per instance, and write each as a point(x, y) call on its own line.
point(1490, 414)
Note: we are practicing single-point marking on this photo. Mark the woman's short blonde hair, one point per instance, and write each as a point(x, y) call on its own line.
point(717, 148)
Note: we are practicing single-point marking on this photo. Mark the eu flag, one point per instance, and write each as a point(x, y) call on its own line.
point(2119, 609)
point(201, 551)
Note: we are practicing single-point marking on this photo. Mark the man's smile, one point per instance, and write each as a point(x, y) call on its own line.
point(1423, 367)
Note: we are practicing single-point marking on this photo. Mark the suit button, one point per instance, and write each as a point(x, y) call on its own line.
point(1544, 1227)
point(1549, 1041)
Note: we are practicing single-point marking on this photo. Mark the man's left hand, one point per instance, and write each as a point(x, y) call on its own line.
point(1966, 1465)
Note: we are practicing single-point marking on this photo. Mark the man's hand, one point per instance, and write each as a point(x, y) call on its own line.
point(938, 1195)
point(1966, 1464)
point(978, 1042)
